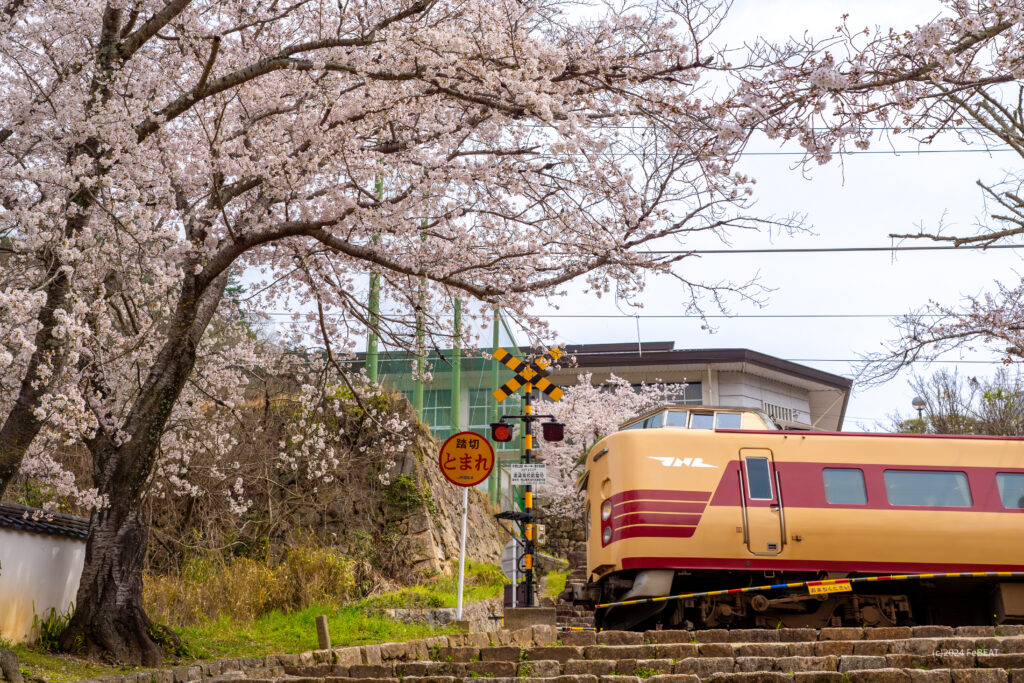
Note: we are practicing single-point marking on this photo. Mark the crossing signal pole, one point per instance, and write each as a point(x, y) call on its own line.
point(527, 376)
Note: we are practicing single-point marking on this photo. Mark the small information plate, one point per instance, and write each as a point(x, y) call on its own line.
point(534, 474)
point(830, 588)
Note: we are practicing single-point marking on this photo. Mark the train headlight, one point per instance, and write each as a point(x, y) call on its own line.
point(606, 535)
point(606, 510)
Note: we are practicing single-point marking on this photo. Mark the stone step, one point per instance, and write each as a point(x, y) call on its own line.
point(868, 675)
point(704, 667)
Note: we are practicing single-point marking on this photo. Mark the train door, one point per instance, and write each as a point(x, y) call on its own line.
point(763, 516)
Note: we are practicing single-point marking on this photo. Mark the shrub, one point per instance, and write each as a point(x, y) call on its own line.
point(244, 588)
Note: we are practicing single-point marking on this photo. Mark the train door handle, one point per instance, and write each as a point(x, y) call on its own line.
point(774, 507)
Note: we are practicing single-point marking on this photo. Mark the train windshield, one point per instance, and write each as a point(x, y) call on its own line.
point(694, 419)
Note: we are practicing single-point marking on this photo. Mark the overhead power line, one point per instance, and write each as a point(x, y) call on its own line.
point(837, 250)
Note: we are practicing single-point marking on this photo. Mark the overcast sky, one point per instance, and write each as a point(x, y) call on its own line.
point(856, 205)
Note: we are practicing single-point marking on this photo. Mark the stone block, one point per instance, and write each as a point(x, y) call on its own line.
point(754, 635)
point(846, 633)
point(745, 664)
point(794, 664)
point(525, 617)
point(492, 668)
point(674, 650)
point(833, 647)
point(931, 631)
point(618, 651)
point(975, 631)
point(817, 677)
point(762, 650)
point(371, 670)
point(753, 677)
point(505, 653)
point(873, 648)
point(558, 653)
point(705, 666)
point(1010, 660)
point(877, 676)
point(544, 634)
point(802, 649)
point(648, 667)
point(346, 656)
point(716, 650)
point(674, 678)
point(371, 654)
point(915, 646)
point(619, 638)
point(887, 633)
point(711, 635)
point(858, 662)
point(794, 635)
point(594, 667)
point(579, 638)
point(667, 636)
point(979, 675)
point(930, 675)
point(186, 674)
point(541, 668)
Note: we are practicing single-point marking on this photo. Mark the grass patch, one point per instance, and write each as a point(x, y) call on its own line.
point(291, 632)
point(483, 581)
point(59, 668)
point(554, 583)
point(235, 633)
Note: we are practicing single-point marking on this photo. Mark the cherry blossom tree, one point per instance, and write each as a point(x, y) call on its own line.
point(151, 148)
point(591, 411)
point(955, 77)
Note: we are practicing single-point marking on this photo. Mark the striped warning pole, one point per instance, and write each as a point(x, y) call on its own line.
point(822, 586)
point(528, 494)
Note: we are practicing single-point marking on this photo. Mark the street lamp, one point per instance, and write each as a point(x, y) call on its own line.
point(919, 404)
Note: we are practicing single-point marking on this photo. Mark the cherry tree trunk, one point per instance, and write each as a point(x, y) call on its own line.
point(109, 619)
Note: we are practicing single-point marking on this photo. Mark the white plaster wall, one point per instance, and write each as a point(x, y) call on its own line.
point(750, 391)
point(37, 572)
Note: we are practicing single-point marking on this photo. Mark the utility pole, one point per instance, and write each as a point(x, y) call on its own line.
point(456, 390)
point(372, 353)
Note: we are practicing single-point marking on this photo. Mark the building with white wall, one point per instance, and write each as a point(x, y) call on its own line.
point(41, 559)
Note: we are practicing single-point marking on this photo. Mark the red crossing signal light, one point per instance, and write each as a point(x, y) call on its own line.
point(501, 432)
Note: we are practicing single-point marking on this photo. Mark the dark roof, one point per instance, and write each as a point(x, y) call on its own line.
point(660, 353)
point(20, 518)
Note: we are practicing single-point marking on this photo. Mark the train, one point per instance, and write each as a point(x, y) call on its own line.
point(686, 500)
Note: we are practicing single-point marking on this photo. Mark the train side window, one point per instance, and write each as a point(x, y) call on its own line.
point(677, 418)
point(927, 488)
point(759, 479)
point(654, 421)
point(703, 421)
point(1011, 489)
point(844, 486)
point(728, 420)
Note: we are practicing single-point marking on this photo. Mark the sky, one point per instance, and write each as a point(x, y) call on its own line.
point(857, 204)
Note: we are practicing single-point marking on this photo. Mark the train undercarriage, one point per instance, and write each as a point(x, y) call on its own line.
point(958, 602)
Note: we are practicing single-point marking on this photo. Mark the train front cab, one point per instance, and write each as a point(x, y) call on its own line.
point(673, 511)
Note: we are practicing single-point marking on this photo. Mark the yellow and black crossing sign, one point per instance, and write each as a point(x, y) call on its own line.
point(534, 373)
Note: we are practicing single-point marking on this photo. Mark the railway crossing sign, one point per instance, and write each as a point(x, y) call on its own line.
point(466, 459)
point(534, 373)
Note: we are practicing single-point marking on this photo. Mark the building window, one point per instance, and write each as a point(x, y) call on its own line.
point(844, 486)
point(481, 402)
point(927, 488)
point(691, 395)
point(759, 479)
point(1011, 489)
point(777, 412)
point(437, 411)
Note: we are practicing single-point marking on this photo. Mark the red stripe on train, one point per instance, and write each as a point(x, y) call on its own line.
point(761, 564)
point(657, 506)
point(655, 518)
point(652, 531)
point(660, 494)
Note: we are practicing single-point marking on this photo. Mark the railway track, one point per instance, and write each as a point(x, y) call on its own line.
point(970, 654)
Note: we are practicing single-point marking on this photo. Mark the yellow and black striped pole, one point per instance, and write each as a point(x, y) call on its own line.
point(528, 493)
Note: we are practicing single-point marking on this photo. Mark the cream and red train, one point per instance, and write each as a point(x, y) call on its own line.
point(687, 500)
